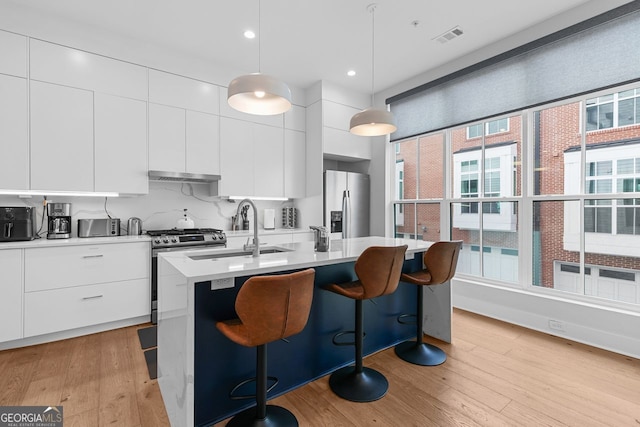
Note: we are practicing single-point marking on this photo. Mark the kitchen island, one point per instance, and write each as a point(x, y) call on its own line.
point(198, 366)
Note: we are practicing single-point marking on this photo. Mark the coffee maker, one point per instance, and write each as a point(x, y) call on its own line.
point(59, 220)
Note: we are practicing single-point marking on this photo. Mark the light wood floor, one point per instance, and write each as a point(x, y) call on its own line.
point(496, 374)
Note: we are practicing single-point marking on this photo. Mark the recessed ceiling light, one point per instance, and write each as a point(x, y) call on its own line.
point(250, 34)
point(351, 73)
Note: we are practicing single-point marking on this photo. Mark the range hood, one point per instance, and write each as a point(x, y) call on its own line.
point(191, 178)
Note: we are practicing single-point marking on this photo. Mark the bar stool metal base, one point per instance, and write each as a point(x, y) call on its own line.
point(276, 416)
point(365, 386)
point(420, 353)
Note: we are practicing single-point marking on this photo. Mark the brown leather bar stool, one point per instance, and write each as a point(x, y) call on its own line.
point(269, 308)
point(440, 262)
point(378, 269)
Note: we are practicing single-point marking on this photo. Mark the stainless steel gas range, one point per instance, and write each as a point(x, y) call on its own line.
point(178, 240)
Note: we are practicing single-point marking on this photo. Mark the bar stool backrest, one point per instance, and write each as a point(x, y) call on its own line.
point(274, 307)
point(441, 260)
point(379, 269)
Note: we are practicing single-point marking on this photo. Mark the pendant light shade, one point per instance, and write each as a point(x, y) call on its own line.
point(259, 94)
point(372, 121)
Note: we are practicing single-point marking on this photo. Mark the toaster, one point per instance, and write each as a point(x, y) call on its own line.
point(100, 227)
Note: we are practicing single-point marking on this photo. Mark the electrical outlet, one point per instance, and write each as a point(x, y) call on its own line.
point(556, 325)
point(222, 283)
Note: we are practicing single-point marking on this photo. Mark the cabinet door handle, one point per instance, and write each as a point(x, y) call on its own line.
point(93, 297)
point(93, 256)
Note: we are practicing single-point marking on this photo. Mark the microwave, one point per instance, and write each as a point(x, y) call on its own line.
point(17, 223)
point(100, 227)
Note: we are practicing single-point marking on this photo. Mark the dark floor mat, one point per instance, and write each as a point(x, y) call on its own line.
point(148, 337)
point(151, 356)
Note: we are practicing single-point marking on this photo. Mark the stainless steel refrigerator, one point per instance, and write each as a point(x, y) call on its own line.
point(346, 204)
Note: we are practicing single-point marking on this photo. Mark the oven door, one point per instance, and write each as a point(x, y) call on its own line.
point(154, 271)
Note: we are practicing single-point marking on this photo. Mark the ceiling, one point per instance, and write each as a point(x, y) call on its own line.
point(304, 41)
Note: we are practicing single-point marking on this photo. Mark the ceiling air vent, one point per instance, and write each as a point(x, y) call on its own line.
point(449, 35)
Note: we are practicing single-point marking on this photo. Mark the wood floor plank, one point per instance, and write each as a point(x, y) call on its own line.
point(118, 404)
point(45, 388)
point(17, 373)
point(546, 386)
point(81, 388)
point(147, 390)
point(530, 379)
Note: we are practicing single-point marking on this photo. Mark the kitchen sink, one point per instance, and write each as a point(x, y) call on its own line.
point(225, 254)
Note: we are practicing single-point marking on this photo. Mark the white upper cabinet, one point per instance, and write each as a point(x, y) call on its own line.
point(338, 142)
point(294, 164)
point(71, 67)
point(166, 138)
point(14, 131)
point(236, 157)
point(11, 294)
point(251, 158)
point(120, 145)
point(295, 118)
point(61, 138)
point(183, 92)
point(337, 116)
point(268, 152)
point(13, 60)
point(202, 143)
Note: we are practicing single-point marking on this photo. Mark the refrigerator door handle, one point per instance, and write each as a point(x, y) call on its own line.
point(346, 214)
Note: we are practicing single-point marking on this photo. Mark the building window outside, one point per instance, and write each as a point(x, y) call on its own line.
point(615, 175)
point(490, 128)
point(613, 110)
point(592, 253)
point(469, 185)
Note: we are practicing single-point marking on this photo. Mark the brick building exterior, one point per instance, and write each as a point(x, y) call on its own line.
point(556, 130)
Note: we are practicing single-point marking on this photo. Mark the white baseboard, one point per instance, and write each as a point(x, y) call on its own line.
point(63, 335)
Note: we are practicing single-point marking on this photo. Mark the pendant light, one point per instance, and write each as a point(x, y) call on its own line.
point(259, 93)
point(372, 121)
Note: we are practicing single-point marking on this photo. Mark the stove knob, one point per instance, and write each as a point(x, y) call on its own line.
point(165, 240)
point(156, 241)
point(174, 240)
point(214, 237)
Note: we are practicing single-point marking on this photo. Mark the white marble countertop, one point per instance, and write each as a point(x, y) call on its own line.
point(74, 241)
point(295, 256)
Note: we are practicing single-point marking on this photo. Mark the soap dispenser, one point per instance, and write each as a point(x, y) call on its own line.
point(185, 222)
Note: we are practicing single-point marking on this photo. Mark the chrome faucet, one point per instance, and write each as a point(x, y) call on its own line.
point(256, 243)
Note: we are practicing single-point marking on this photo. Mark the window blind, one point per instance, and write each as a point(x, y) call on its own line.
point(595, 54)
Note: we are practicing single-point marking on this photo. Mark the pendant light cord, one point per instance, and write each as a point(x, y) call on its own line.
point(259, 37)
point(373, 51)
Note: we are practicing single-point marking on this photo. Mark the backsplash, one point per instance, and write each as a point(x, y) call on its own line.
point(159, 209)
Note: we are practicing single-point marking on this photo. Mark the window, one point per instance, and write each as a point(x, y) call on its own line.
point(491, 184)
point(469, 185)
point(620, 175)
point(491, 128)
point(613, 110)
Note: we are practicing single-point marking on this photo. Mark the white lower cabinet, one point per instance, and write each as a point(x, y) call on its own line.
point(77, 286)
point(11, 294)
point(63, 309)
point(64, 267)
